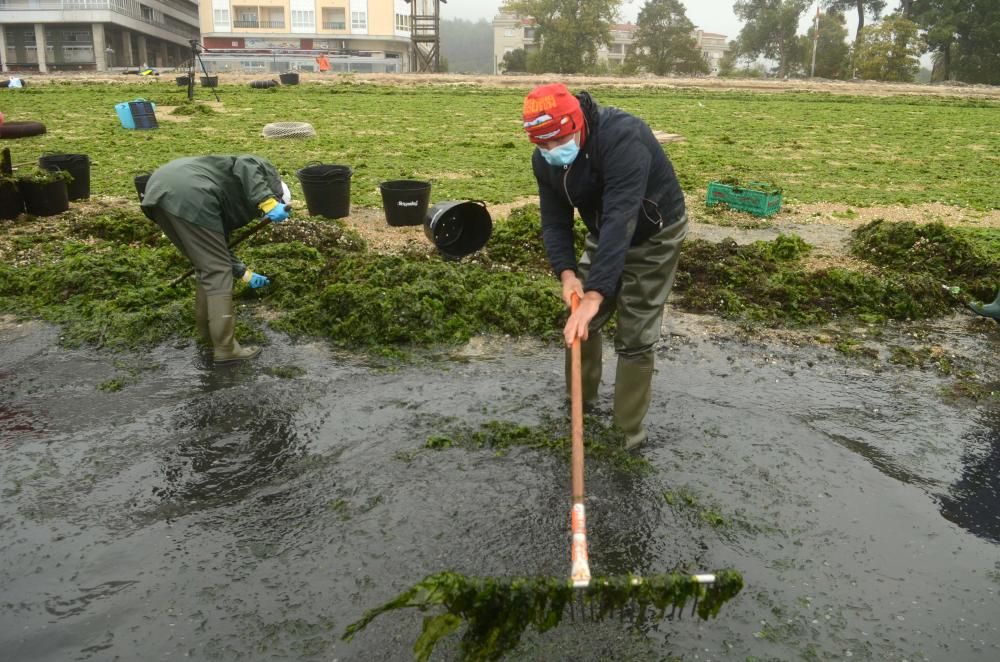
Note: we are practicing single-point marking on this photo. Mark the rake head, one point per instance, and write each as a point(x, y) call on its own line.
point(497, 612)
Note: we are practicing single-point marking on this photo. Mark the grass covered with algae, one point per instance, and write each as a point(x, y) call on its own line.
point(103, 274)
point(498, 611)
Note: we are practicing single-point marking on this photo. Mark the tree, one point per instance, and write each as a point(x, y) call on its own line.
point(515, 60)
point(874, 7)
point(833, 54)
point(468, 45)
point(569, 31)
point(664, 40)
point(770, 30)
point(963, 36)
point(890, 51)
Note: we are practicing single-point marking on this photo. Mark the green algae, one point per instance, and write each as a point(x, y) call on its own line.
point(104, 276)
point(497, 612)
point(766, 282)
point(602, 442)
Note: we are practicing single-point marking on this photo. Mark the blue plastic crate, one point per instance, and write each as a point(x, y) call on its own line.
point(137, 114)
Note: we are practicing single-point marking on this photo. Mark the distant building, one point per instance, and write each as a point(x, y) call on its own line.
point(276, 35)
point(44, 35)
point(714, 47)
point(511, 32)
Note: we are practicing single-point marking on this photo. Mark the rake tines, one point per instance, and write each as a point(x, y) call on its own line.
point(497, 612)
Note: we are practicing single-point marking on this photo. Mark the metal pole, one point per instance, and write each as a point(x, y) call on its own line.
point(812, 73)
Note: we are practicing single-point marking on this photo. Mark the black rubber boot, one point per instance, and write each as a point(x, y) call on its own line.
point(222, 328)
point(991, 310)
point(633, 390)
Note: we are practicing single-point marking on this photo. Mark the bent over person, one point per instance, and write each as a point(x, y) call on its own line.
point(607, 165)
point(197, 201)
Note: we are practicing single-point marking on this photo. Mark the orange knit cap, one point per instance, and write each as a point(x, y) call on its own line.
point(551, 112)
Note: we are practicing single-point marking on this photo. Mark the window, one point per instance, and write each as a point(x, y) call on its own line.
point(403, 22)
point(509, 32)
point(221, 16)
point(333, 18)
point(303, 19)
point(359, 20)
point(529, 33)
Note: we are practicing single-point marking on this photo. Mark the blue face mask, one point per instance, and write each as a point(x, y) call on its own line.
point(562, 155)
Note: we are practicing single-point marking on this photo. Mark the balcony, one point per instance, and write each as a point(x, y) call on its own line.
point(129, 8)
point(264, 25)
point(334, 25)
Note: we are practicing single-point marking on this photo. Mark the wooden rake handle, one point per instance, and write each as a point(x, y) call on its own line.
point(580, 569)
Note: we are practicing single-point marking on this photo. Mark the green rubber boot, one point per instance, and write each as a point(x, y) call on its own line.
point(222, 328)
point(201, 314)
point(633, 389)
point(988, 310)
point(590, 364)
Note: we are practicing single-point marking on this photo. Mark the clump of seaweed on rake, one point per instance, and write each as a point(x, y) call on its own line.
point(497, 612)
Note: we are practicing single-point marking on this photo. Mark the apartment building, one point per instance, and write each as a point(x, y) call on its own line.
point(511, 32)
point(52, 35)
point(280, 35)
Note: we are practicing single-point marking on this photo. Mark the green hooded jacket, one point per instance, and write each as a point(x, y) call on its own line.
point(217, 192)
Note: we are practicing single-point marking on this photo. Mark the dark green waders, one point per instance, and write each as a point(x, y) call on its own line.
point(208, 252)
point(646, 282)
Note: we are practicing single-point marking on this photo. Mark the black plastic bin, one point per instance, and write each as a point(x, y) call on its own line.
point(405, 201)
point(140, 182)
point(327, 189)
point(209, 81)
point(44, 199)
point(77, 165)
point(458, 227)
point(289, 78)
point(182, 81)
point(11, 202)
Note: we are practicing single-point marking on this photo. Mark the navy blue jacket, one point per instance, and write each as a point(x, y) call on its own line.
point(623, 185)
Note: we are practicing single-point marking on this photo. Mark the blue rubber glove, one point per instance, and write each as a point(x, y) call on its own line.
point(255, 280)
point(278, 213)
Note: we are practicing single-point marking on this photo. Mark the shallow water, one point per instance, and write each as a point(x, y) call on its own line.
point(233, 514)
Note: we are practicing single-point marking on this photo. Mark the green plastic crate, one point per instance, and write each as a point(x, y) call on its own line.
point(757, 198)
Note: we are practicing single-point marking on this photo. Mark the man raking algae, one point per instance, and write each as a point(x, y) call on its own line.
point(606, 164)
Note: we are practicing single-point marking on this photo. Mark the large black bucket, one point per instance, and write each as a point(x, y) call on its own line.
point(11, 202)
point(182, 81)
point(290, 78)
point(140, 184)
point(458, 227)
point(327, 189)
point(44, 199)
point(209, 81)
point(143, 114)
point(77, 165)
point(405, 201)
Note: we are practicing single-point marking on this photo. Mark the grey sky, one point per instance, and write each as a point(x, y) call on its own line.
point(709, 15)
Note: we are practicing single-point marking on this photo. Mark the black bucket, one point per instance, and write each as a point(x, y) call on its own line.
point(11, 202)
point(209, 81)
point(77, 165)
point(458, 227)
point(44, 199)
point(143, 114)
point(140, 184)
point(405, 201)
point(290, 78)
point(327, 189)
point(182, 81)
